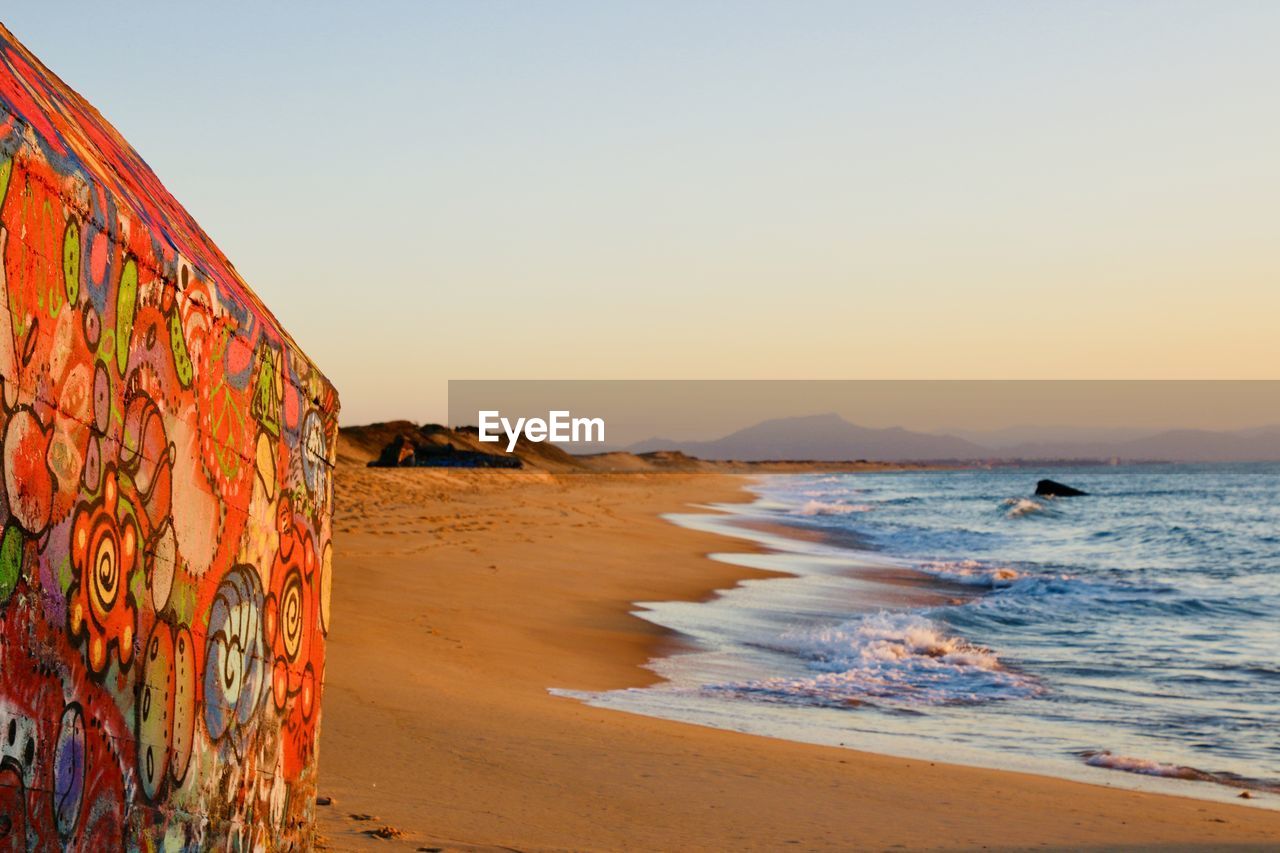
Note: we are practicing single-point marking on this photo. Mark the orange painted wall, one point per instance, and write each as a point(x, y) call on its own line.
point(165, 556)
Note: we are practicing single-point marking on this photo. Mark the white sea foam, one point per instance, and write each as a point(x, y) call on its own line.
point(1023, 506)
point(820, 508)
point(1145, 766)
point(895, 656)
point(972, 572)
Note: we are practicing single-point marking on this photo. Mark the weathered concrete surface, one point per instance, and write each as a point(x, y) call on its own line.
point(165, 559)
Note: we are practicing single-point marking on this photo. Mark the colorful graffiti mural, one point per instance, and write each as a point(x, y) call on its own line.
point(165, 557)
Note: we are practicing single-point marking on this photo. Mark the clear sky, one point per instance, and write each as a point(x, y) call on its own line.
point(425, 191)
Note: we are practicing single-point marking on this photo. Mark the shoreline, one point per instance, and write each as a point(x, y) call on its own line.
point(895, 587)
point(461, 597)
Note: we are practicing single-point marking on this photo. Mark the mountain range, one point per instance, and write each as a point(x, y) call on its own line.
point(829, 437)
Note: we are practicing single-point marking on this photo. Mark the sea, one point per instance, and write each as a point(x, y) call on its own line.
point(1129, 637)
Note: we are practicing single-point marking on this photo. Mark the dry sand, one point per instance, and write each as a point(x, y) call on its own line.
point(461, 596)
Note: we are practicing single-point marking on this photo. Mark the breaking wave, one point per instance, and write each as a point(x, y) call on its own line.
point(972, 572)
point(1147, 767)
point(820, 508)
point(1019, 507)
point(899, 657)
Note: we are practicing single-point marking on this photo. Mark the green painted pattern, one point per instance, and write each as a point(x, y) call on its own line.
point(71, 261)
point(181, 358)
point(10, 560)
point(126, 305)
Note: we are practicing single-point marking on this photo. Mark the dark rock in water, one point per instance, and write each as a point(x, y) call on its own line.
point(1054, 489)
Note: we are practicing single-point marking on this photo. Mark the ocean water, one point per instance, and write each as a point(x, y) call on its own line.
point(1130, 637)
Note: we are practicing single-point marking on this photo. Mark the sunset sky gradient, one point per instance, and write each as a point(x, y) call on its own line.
point(426, 191)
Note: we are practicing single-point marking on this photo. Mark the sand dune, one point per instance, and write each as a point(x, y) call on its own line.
point(461, 596)
point(361, 445)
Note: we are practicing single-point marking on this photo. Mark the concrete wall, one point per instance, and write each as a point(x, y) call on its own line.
point(165, 557)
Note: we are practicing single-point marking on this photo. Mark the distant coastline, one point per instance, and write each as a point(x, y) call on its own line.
point(406, 444)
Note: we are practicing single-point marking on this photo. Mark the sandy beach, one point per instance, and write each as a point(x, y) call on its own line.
point(460, 597)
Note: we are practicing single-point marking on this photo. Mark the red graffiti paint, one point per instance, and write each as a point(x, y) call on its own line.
point(165, 538)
